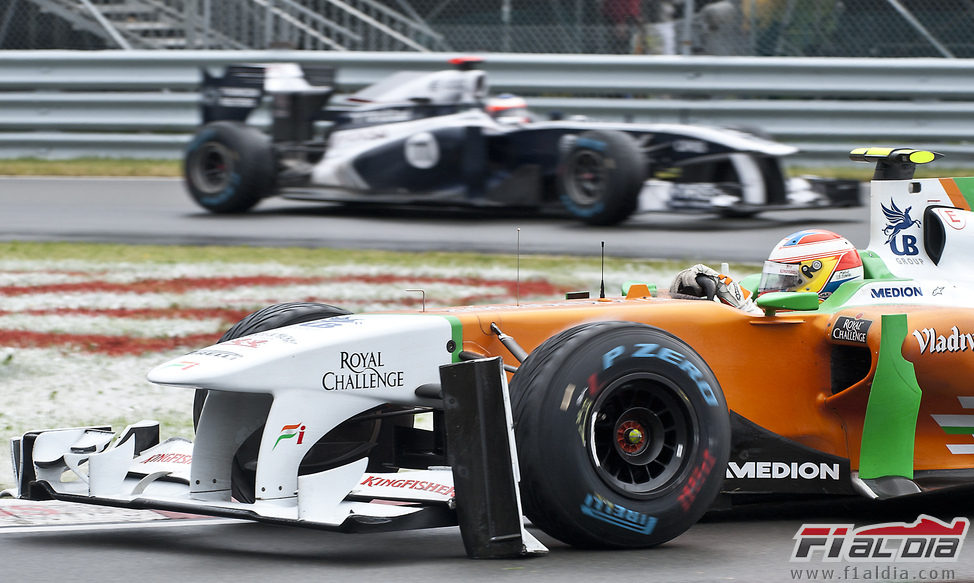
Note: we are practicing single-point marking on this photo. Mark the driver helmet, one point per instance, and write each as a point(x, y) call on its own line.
point(813, 260)
point(507, 107)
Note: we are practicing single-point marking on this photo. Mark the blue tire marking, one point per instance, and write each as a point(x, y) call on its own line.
point(225, 194)
point(579, 210)
point(199, 139)
point(591, 144)
point(675, 357)
point(601, 509)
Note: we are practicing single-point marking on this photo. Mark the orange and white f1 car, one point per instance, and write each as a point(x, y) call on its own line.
point(609, 422)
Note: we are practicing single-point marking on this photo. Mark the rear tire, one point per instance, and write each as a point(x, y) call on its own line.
point(228, 167)
point(600, 177)
point(623, 435)
point(345, 443)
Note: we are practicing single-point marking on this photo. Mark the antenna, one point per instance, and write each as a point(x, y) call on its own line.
point(602, 277)
point(517, 270)
point(422, 291)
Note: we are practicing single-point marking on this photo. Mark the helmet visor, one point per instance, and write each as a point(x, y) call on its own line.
point(779, 277)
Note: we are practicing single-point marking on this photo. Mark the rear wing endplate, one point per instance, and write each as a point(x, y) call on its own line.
point(234, 95)
point(299, 94)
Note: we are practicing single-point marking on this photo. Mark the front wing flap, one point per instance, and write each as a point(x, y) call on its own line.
point(91, 465)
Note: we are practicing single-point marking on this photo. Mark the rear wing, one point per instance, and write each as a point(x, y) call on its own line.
point(234, 95)
point(299, 93)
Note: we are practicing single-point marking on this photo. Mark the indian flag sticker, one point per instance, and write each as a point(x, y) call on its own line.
point(958, 425)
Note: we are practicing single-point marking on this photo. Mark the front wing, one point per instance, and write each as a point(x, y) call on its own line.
point(132, 469)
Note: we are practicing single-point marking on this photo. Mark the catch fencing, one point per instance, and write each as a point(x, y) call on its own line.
point(144, 104)
point(800, 28)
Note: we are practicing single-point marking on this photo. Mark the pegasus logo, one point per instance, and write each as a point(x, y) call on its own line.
point(897, 221)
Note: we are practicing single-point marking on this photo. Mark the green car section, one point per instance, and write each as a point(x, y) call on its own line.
point(456, 334)
point(773, 301)
point(889, 427)
point(966, 187)
point(874, 267)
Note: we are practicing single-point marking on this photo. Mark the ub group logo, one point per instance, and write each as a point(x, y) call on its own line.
point(898, 221)
point(927, 539)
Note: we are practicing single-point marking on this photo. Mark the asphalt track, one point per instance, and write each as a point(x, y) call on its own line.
point(159, 211)
point(754, 544)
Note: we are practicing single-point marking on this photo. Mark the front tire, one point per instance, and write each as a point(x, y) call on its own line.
point(623, 435)
point(600, 177)
point(228, 167)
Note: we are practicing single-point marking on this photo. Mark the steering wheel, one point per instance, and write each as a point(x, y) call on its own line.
point(708, 285)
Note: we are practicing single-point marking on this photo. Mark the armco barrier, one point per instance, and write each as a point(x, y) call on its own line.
point(62, 104)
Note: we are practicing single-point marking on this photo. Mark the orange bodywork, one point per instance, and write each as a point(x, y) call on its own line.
point(776, 371)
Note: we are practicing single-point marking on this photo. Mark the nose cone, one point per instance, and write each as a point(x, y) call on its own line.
point(379, 354)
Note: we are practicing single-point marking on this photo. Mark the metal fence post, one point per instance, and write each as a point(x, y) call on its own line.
point(506, 24)
point(190, 13)
point(207, 14)
point(688, 12)
point(5, 25)
point(269, 25)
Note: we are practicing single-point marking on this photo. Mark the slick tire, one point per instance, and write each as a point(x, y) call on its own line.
point(347, 442)
point(622, 433)
point(600, 177)
point(228, 167)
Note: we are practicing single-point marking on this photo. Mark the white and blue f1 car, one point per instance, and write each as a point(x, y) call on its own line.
point(436, 138)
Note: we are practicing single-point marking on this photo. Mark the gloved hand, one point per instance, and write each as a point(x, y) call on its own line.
point(728, 290)
point(686, 282)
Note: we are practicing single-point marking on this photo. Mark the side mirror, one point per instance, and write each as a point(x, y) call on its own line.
point(773, 301)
